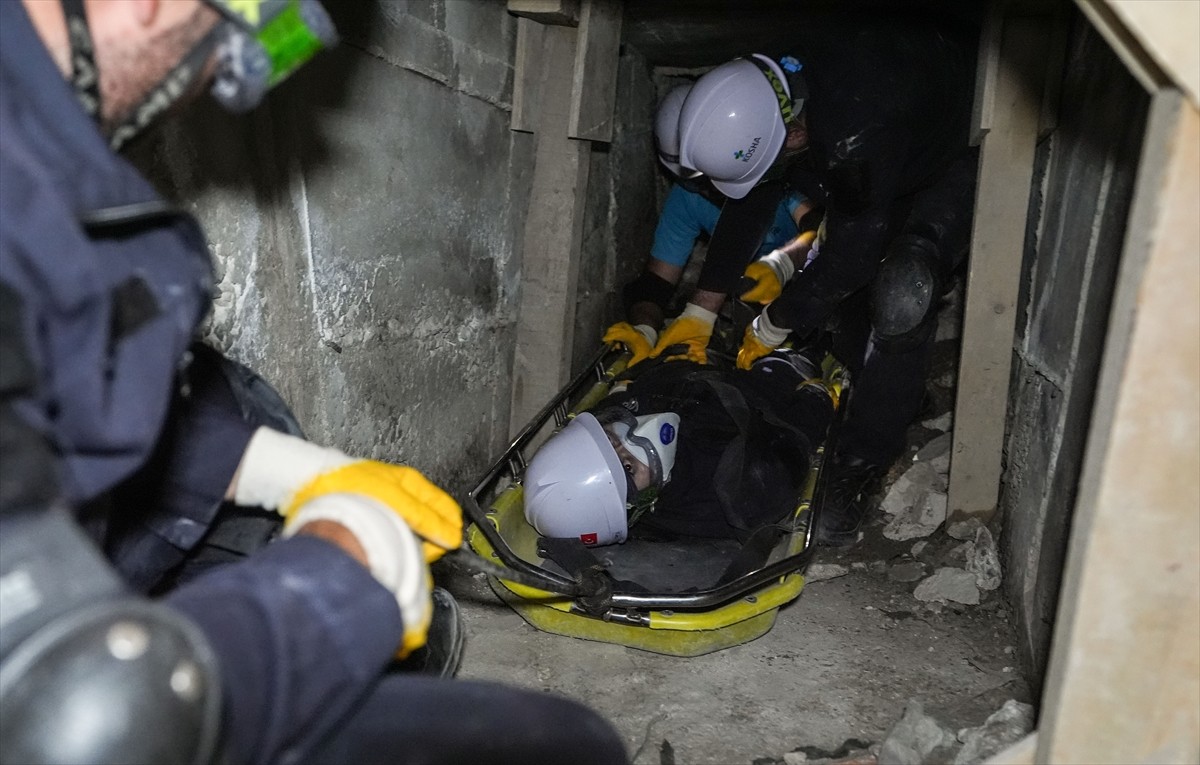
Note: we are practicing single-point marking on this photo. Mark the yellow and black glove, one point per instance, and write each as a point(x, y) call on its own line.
point(761, 338)
point(770, 273)
point(692, 329)
point(638, 339)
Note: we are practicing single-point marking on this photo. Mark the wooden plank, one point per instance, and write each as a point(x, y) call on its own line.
point(594, 94)
point(553, 229)
point(551, 12)
point(997, 246)
point(526, 74)
point(1167, 29)
point(1123, 683)
point(1127, 47)
point(987, 68)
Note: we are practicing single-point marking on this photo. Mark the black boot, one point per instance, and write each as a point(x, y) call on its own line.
point(441, 655)
point(844, 501)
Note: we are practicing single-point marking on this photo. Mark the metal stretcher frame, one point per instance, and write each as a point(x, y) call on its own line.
point(680, 624)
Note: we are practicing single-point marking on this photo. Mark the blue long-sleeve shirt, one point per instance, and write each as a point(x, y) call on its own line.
point(688, 214)
point(108, 304)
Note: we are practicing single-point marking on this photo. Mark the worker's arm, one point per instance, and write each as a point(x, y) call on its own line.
point(739, 233)
point(647, 311)
point(300, 630)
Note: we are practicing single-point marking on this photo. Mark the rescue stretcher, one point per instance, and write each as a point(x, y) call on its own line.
point(670, 614)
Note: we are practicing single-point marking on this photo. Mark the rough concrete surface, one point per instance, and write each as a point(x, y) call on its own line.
point(841, 662)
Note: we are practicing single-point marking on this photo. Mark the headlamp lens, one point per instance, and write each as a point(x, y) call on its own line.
point(263, 48)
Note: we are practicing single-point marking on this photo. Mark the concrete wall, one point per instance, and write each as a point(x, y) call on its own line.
point(365, 225)
point(1082, 193)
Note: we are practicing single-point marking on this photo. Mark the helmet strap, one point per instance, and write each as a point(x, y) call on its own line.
point(85, 76)
point(178, 82)
point(790, 95)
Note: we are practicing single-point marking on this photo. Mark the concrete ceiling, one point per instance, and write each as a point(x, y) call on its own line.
point(702, 33)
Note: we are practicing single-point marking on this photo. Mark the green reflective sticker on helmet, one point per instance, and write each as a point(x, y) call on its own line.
point(289, 42)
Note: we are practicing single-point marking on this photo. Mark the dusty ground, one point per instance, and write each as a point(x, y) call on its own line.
point(840, 662)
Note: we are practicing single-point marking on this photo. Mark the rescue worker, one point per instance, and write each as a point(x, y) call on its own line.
point(277, 658)
point(685, 450)
point(872, 124)
point(690, 211)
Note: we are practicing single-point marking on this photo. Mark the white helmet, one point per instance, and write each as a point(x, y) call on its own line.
point(575, 486)
point(666, 131)
point(733, 123)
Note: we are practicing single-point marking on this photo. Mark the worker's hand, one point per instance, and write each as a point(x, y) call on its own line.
point(693, 329)
point(282, 473)
point(371, 532)
point(770, 273)
point(761, 338)
point(638, 339)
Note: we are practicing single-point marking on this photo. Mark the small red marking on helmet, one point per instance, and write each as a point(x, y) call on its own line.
point(588, 539)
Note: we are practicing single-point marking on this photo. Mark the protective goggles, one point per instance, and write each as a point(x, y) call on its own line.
point(262, 43)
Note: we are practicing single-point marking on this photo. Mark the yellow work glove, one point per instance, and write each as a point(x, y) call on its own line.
point(693, 328)
point(638, 339)
point(770, 273)
point(282, 473)
point(761, 338)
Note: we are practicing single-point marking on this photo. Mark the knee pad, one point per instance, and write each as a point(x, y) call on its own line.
point(905, 293)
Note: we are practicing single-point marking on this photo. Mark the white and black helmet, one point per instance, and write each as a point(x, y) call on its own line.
point(734, 121)
point(576, 486)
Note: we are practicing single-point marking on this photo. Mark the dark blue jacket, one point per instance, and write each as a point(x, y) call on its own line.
point(111, 283)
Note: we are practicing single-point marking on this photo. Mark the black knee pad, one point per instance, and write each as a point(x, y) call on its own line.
point(905, 294)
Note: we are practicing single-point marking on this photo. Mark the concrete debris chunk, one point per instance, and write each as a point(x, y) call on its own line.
point(936, 447)
point(1003, 728)
point(983, 560)
point(964, 529)
point(907, 572)
point(912, 486)
point(961, 552)
point(912, 738)
point(941, 424)
point(918, 521)
point(949, 584)
point(918, 548)
point(794, 758)
point(820, 572)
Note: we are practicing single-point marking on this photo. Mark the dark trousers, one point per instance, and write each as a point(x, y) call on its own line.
point(428, 721)
point(888, 381)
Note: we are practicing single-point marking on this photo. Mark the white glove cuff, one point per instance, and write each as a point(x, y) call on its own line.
point(394, 556)
point(275, 465)
point(768, 333)
point(696, 312)
point(781, 264)
point(647, 332)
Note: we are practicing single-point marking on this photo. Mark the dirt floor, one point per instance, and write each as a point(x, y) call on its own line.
point(840, 663)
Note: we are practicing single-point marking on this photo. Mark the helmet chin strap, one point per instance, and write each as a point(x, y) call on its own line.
point(85, 77)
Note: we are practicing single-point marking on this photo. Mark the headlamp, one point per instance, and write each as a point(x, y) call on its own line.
point(263, 43)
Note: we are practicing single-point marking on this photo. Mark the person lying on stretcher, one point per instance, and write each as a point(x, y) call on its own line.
point(684, 450)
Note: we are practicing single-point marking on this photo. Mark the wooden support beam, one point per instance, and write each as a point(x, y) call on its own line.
point(1123, 684)
point(527, 74)
point(997, 247)
point(594, 95)
point(553, 230)
point(551, 12)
